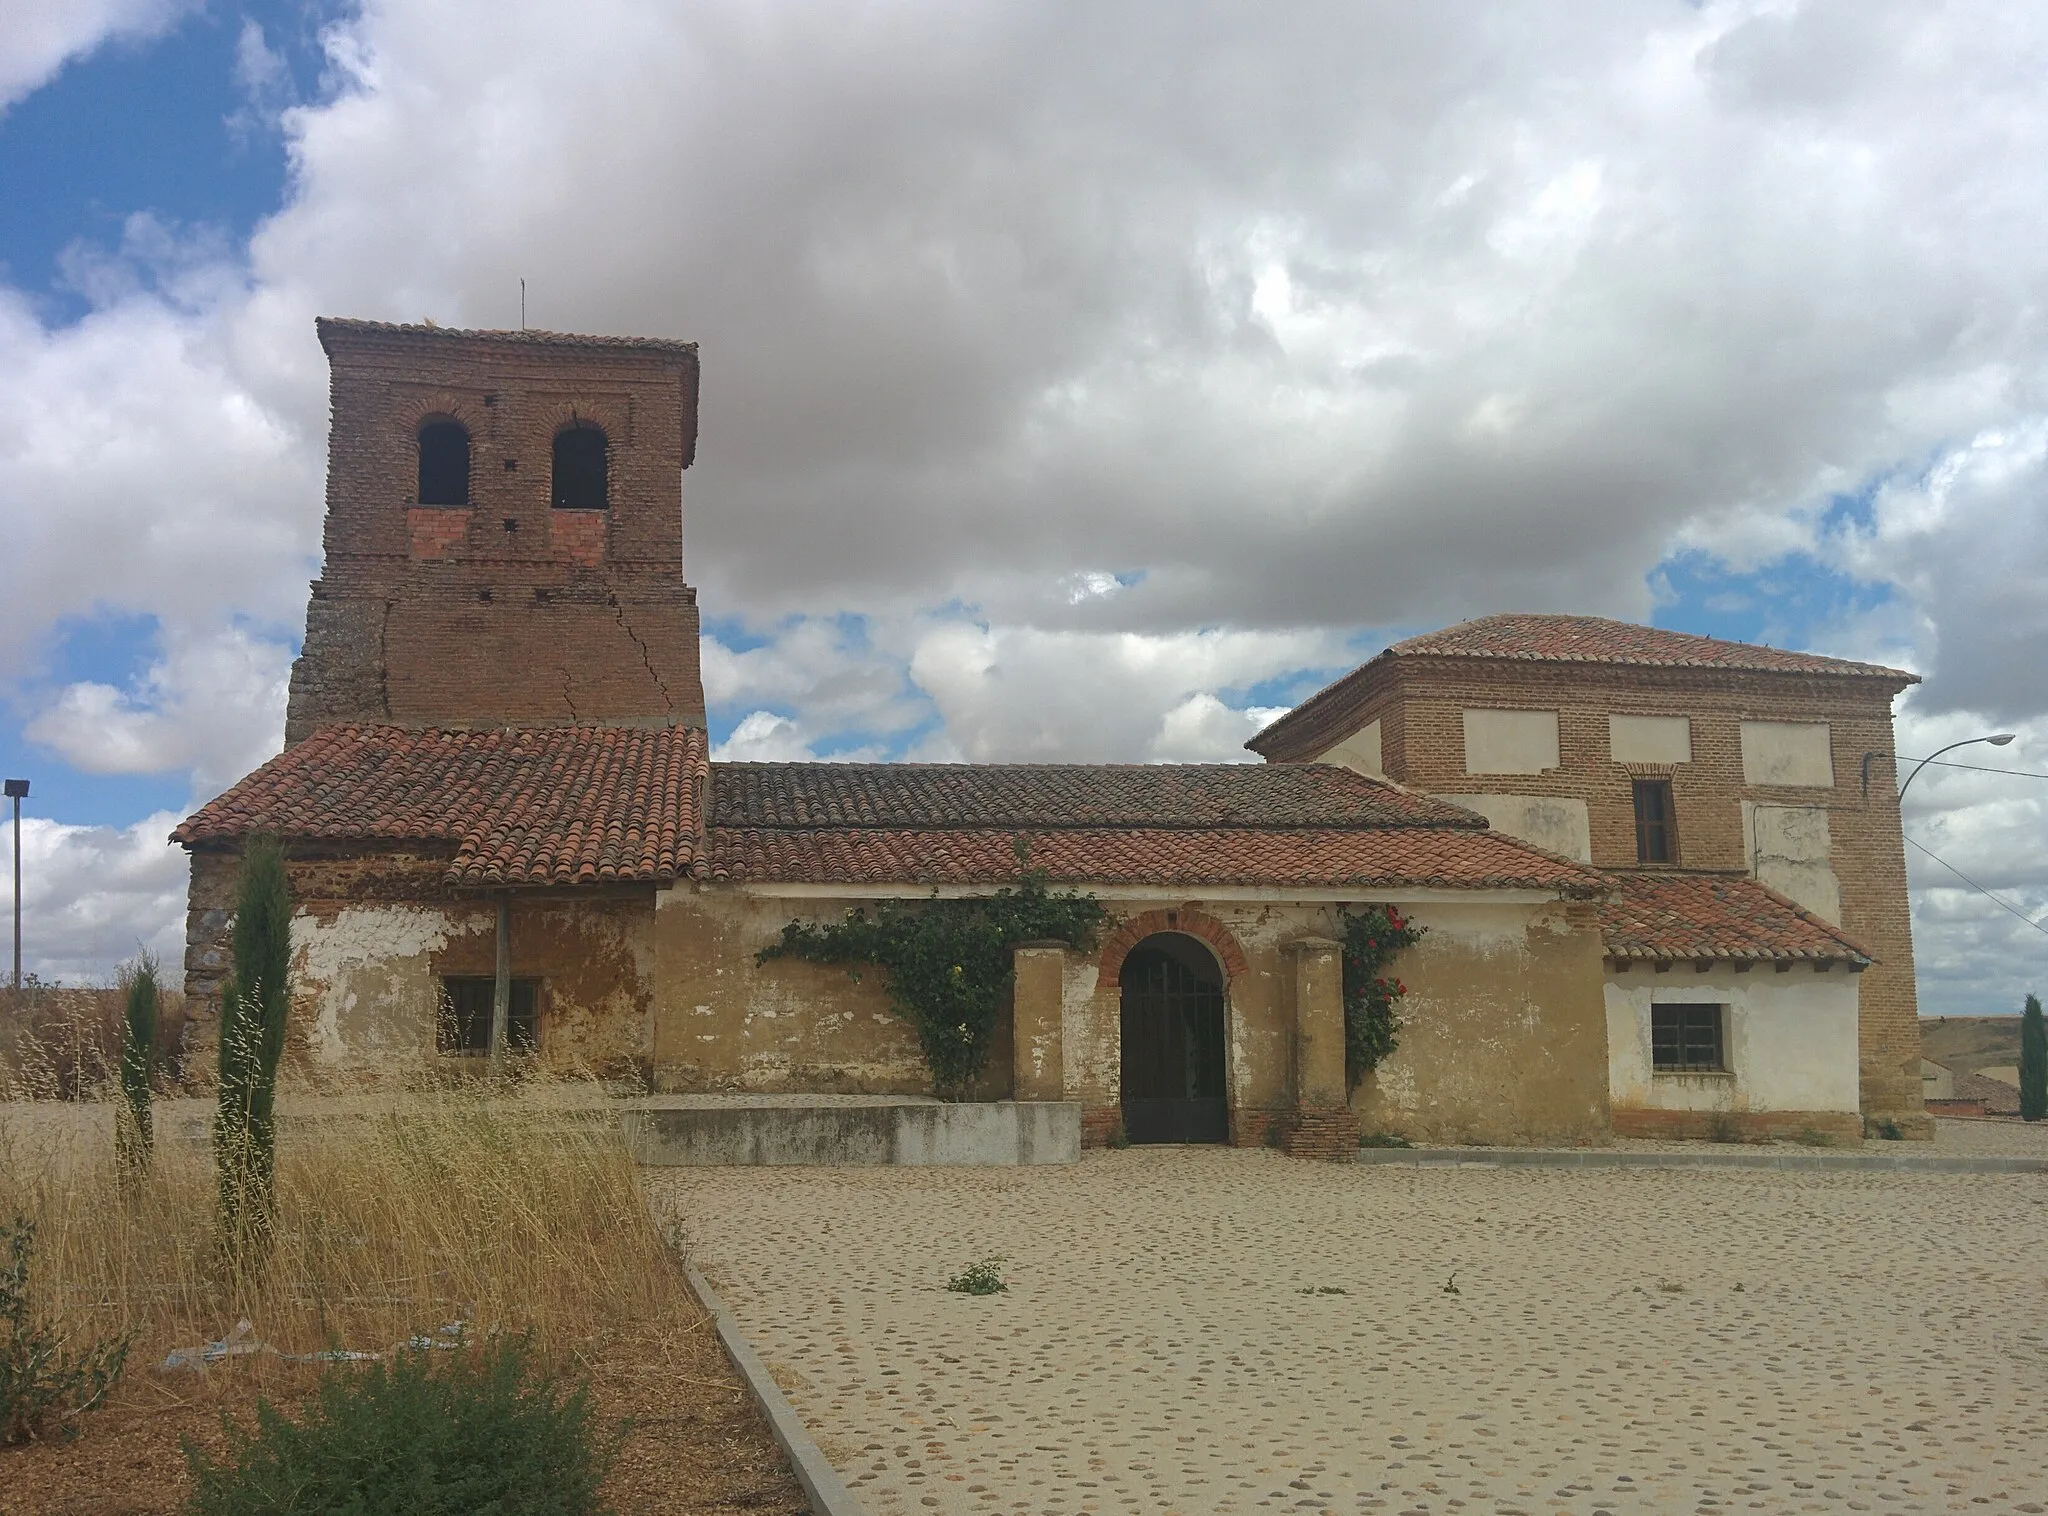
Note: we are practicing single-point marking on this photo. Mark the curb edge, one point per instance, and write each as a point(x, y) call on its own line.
point(821, 1483)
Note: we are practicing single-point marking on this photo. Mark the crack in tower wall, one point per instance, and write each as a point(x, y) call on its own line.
point(494, 612)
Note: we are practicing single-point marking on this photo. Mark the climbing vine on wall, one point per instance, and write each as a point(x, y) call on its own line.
point(1373, 937)
point(948, 961)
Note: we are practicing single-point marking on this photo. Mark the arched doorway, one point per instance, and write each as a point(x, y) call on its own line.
point(1173, 1069)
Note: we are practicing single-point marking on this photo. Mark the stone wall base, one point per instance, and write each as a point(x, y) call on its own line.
point(1738, 1126)
point(1914, 1125)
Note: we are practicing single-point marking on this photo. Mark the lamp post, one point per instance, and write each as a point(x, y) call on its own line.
point(1996, 739)
point(16, 789)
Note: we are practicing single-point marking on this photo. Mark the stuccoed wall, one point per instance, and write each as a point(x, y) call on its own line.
point(1505, 1038)
point(1791, 1044)
point(722, 1023)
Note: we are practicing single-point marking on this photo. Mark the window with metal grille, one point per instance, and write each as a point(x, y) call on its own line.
point(1686, 1039)
point(444, 463)
point(1656, 824)
point(465, 1021)
point(580, 468)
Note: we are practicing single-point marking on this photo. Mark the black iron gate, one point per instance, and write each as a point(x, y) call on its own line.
point(1172, 1050)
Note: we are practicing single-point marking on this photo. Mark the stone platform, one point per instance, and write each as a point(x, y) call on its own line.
point(825, 1131)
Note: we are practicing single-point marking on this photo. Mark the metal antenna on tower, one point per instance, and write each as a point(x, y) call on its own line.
point(522, 305)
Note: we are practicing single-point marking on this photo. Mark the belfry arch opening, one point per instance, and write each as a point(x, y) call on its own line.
point(1173, 1081)
point(444, 463)
point(581, 468)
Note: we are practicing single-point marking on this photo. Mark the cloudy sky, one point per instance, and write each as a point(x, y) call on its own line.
point(1083, 380)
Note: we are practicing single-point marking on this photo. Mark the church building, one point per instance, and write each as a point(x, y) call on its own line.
point(1660, 877)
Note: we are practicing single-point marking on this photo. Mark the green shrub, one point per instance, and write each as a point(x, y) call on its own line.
point(983, 1278)
point(948, 961)
point(426, 1435)
point(41, 1385)
point(1373, 938)
point(253, 1005)
point(133, 1135)
point(2033, 1062)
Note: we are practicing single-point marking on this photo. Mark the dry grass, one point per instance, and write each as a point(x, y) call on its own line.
point(397, 1213)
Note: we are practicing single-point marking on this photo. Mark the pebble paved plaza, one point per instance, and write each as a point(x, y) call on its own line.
point(1216, 1330)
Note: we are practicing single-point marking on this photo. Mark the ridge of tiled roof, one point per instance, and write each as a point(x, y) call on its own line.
point(357, 325)
point(524, 806)
point(1542, 639)
point(1293, 857)
point(1158, 796)
point(1674, 917)
point(591, 804)
point(1595, 639)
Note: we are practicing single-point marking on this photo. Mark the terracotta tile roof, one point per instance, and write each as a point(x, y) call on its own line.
point(354, 326)
point(556, 805)
point(1594, 639)
point(1169, 824)
point(577, 805)
point(1331, 712)
point(1675, 917)
point(1303, 857)
point(1996, 1096)
point(967, 796)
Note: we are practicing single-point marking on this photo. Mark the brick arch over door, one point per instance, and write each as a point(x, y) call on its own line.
point(1136, 929)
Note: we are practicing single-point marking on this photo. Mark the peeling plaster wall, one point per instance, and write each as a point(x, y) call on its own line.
point(365, 975)
point(1555, 822)
point(1792, 852)
point(373, 933)
point(1790, 1039)
point(1503, 1037)
point(723, 1023)
point(1794, 753)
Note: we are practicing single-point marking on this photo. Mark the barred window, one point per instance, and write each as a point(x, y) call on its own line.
point(465, 1021)
point(1686, 1039)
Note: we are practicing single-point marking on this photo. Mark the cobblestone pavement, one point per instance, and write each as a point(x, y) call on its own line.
point(1207, 1330)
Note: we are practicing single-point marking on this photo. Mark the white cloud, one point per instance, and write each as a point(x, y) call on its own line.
point(213, 706)
point(1282, 323)
point(38, 37)
point(1018, 694)
point(1202, 729)
point(90, 895)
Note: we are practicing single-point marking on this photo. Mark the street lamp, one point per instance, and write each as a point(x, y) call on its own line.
point(1996, 739)
point(16, 789)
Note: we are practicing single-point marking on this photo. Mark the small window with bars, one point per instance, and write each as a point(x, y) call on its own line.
point(1656, 823)
point(465, 1020)
point(1686, 1039)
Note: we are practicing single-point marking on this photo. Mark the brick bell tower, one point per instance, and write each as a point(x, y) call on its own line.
point(504, 534)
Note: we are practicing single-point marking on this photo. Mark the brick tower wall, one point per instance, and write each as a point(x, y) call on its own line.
point(505, 611)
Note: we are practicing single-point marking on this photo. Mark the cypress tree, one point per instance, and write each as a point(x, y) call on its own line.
point(2033, 1062)
point(134, 1135)
point(252, 1026)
